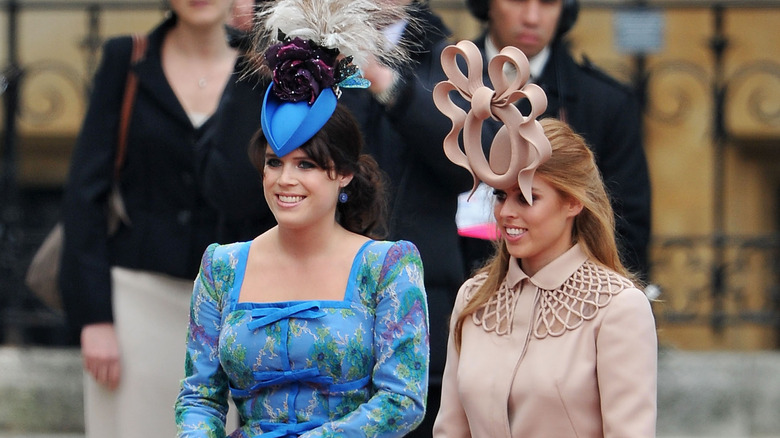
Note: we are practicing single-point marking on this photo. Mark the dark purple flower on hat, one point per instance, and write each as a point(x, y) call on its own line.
point(301, 69)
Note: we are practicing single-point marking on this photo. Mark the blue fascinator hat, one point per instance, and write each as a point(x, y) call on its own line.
point(304, 91)
point(288, 125)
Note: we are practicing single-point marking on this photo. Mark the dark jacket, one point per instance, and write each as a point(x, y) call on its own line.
point(606, 113)
point(406, 140)
point(162, 182)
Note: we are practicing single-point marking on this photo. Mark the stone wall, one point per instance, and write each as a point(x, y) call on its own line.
point(719, 394)
point(40, 390)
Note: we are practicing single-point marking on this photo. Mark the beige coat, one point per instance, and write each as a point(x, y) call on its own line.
point(569, 352)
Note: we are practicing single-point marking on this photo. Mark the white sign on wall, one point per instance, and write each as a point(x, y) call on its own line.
point(639, 30)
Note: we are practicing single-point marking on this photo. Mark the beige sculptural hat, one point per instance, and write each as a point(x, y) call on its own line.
point(520, 146)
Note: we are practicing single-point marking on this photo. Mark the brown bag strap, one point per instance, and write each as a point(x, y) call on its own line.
point(139, 50)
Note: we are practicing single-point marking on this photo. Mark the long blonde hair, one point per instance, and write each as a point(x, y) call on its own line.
point(572, 171)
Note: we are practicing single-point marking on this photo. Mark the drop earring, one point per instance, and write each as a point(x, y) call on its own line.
point(343, 197)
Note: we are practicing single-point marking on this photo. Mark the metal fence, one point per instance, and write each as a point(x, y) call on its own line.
point(718, 280)
point(718, 284)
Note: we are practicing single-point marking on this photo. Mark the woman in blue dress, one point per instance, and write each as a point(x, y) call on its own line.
point(313, 328)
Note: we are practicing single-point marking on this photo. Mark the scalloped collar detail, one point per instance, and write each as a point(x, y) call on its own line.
point(569, 290)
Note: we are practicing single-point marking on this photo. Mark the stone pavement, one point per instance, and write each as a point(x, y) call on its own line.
point(700, 394)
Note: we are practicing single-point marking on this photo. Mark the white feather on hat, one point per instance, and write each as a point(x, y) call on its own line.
point(353, 27)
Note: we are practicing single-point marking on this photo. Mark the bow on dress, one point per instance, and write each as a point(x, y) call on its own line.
point(520, 146)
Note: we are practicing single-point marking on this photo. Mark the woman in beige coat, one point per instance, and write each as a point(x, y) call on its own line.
point(551, 338)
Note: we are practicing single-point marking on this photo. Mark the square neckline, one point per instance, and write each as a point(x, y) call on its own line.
point(240, 270)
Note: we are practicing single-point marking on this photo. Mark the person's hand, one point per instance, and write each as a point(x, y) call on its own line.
point(243, 15)
point(382, 78)
point(100, 353)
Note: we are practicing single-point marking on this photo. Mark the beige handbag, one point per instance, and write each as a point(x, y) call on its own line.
point(43, 272)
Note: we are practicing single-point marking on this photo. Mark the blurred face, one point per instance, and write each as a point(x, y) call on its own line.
point(202, 12)
point(529, 25)
point(536, 234)
point(298, 191)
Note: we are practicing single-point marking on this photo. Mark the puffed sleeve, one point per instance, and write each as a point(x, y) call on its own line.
point(401, 349)
point(202, 404)
point(451, 420)
point(627, 366)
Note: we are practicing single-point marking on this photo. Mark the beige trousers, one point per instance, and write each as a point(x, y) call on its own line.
point(151, 313)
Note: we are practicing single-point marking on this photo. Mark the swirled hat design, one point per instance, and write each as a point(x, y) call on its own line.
point(520, 146)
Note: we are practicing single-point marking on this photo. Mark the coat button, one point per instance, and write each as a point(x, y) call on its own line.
point(184, 217)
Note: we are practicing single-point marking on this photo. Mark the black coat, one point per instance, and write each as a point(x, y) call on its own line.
point(406, 140)
point(606, 113)
point(162, 182)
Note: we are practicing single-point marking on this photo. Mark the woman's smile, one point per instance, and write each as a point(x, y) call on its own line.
point(290, 199)
point(514, 233)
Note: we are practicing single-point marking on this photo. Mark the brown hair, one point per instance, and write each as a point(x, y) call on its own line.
point(337, 148)
point(572, 171)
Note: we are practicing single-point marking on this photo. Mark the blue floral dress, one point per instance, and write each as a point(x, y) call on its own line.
point(351, 368)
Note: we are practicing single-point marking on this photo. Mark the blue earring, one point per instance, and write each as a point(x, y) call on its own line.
point(343, 197)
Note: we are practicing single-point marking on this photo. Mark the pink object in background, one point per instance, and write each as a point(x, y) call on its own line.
point(484, 231)
point(474, 217)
